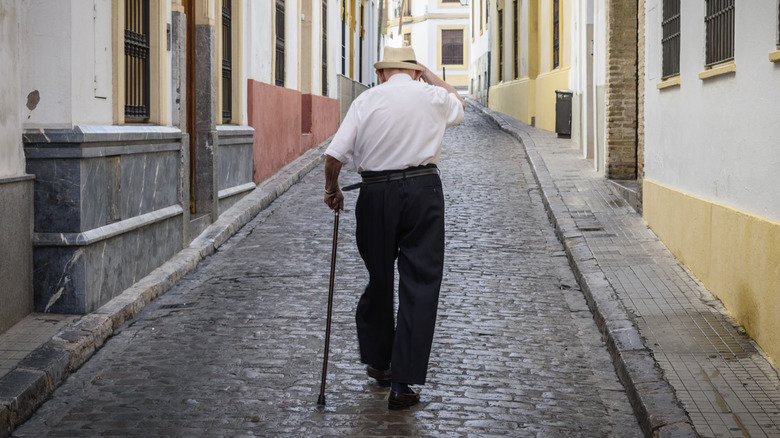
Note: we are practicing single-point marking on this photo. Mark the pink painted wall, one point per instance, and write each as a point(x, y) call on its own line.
point(324, 117)
point(287, 124)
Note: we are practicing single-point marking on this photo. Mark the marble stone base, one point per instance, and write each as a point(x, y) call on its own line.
point(16, 219)
point(79, 278)
point(235, 164)
point(108, 210)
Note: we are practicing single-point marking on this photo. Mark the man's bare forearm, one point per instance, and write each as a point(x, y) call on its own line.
point(332, 171)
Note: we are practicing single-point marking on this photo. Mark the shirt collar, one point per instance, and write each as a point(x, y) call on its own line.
point(399, 77)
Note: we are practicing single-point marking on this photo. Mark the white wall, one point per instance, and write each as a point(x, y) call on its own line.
point(599, 82)
point(292, 18)
point(67, 48)
point(46, 46)
point(334, 47)
point(717, 138)
point(91, 58)
point(259, 44)
point(11, 152)
point(582, 69)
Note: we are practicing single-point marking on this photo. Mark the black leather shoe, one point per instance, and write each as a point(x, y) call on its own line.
point(383, 377)
point(399, 400)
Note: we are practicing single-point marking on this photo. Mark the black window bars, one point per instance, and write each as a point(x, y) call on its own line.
point(324, 47)
point(137, 59)
point(500, 45)
point(452, 46)
point(515, 32)
point(227, 61)
point(556, 56)
point(670, 40)
point(719, 23)
point(279, 76)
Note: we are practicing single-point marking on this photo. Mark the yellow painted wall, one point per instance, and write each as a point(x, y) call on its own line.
point(533, 95)
point(458, 80)
point(514, 98)
point(546, 84)
point(735, 254)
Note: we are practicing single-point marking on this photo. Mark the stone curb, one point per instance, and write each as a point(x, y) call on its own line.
point(655, 404)
point(36, 377)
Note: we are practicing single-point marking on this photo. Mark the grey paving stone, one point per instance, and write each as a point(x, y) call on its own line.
point(235, 348)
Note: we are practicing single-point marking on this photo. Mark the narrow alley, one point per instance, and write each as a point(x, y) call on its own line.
point(235, 348)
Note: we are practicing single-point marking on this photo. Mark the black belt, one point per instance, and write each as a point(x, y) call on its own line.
point(393, 175)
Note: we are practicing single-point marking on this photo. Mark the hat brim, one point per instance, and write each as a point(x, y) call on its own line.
point(397, 64)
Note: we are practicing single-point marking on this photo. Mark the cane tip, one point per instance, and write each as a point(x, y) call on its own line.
point(321, 400)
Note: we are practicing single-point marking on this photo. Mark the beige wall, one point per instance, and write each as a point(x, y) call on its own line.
point(735, 254)
point(532, 97)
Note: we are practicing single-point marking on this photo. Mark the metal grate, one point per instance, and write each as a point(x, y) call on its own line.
point(452, 46)
point(556, 32)
point(227, 61)
point(500, 45)
point(670, 41)
point(360, 45)
point(137, 59)
point(343, 41)
point(280, 43)
point(324, 47)
point(515, 32)
point(719, 22)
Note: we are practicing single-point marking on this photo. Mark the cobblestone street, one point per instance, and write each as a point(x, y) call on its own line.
point(235, 348)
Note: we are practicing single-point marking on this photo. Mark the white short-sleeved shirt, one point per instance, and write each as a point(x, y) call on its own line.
point(396, 125)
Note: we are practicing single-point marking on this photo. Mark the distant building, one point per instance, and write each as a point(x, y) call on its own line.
point(479, 34)
point(438, 30)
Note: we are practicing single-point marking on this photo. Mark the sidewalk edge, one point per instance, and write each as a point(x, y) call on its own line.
point(24, 389)
point(653, 399)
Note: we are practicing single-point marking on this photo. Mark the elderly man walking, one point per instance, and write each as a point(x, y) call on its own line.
point(393, 134)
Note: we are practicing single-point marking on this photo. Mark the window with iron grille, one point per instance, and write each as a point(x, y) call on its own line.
point(500, 45)
point(227, 61)
point(360, 45)
point(452, 46)
point(719, 24)
point(343, 39)
point(407, 39)
point(515, 31)
point(408, 8)
point(670, 41)
point(280, 43)
point(324, 47)
point(137, 59)
point(556, 37)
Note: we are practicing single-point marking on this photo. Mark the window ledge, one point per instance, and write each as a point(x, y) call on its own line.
point(670, 82)
point(774, 56)
point(722, 69)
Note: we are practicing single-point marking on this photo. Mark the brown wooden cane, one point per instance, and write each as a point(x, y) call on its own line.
point(321, 399)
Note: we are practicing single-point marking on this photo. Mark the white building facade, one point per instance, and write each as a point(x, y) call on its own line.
point(711, 155)
point(438, 30)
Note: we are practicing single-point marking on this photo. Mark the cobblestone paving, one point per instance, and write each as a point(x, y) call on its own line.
point(235, 349)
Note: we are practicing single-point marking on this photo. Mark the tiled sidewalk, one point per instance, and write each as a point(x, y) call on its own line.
point(722, 379)
point(28, 335)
